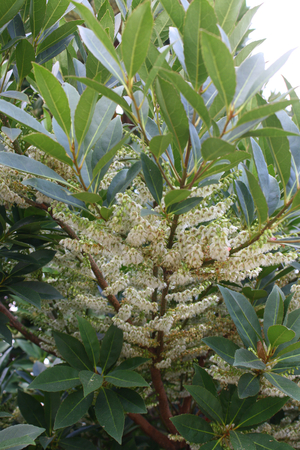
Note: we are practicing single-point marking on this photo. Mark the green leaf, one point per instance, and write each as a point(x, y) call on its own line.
point(209, 404)
point(51, 405)
point(243, 316)
point(8, 10)
point(245, 201)
point(285, 385)
point(90, 381)
point(108, 156)
point(213, 148)
point(287, 361)
point(220, 65)
point(173, 112)
point(49, 146)
point(26, 293)
point(278, 334)
point(262, 411)
point(293, 321)
point(288, 349)
point(153, 177)
point(132, 363)
point(54, 96)
point(241, 441)
point(72, 409)
point(273, 314)
point(55, 10)
point(16, 443)
point(24, 56)
point(72, 351)
point(176, 196)
point(126, 378)
point(258, 198)
point(241, 28)
point(264, 111)
point(159, 144)
point(200, 14)
point(193, 428)
point(185, 206)
point(248, 385)
point(175, 12)
point(55, 379)
point(223, 347)
point(110, 414)
point(212, 445)
point(227, 12)
point(270, 132)
point(267, 442)
point(19, 432)
point(131, 401)
point(245, 358)
point(37, 13)
point(90, 341)
point(84, 114)
point(296, 105)
point(58, 35)
point(136, 38)
point(31, 409)
point(111, 348)
point(202, 378)
point(76, 443)
point(246, 51)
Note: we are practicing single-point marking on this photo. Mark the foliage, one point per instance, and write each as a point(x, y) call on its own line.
point(149, 227)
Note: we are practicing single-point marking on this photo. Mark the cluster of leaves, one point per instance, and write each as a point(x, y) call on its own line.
point(192, 105)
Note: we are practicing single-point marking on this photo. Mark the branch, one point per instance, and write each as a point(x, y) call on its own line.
point(22, 329)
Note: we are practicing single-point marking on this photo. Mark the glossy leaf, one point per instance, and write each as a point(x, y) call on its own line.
point(72, 351)
point(159, 144)
point(176, 196)
point(243, 316)
point(19, 432)
point(111, 347)
point(90, 341)
point(261, 168)
point(84, 114)
point(288, 387)
point(58, 35)
point(8, 10)
point(278, 334)
point(193, 428)
point(26, 293)
point(245, 358)
point(208, 403)
point(262, 411)
point(126, 378)
point(240, 441)
point(31, 409)
point(54, 96)
point(273, 314)
point(90, 381)
point(131, 401)
point(223, 347)
point(24, 56)
point(219, 65)
point(246, 51)
point(245, 201)
point(72, 409)
point(248, 385)
point(55, 379)
point(202, 378)
point(55, 10)
point(49, 146)
point(153, 177)
point(175, 12)
point(108, 156)
point(21, 116)
point(213, 148)
point(37, 13)
point(184, 206)
point(110, 414)
point(263, 111)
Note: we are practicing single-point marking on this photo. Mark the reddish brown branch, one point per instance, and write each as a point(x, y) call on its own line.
point(162, 440)
point(22, 329)
point(186, 405)
point(162, 399)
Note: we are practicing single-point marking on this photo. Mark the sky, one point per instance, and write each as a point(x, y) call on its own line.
point(279, 22)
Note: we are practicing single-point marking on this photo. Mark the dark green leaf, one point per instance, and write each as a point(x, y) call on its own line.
point(285, 385)
point(51, 405)
point(20, 431)
point(153, 177)
point(26, 293)
point(293, 321)
point(72, 409)
point(267, 442)
point(131, 401)
point(176, 196)
point(72, 351)
point(16, 443)
point(248, 385)
point(278, 334)
point(126, 378)
point(132, 363)
point(49, 146)
point(8, 10)
point(111, 347)
point(220, 66)
point(245, 358)
point(84, 114)
point(193, 428)
point(243, 316)
point(76, 443)
point(110, 414)
point(262, 411)
point(55, 379)
point(241, 441)
point(287, 361)
point(223, 347)
point(209, 404)
point(202, 378)
point(108, 156)
point(245, 201)
point(57, 36)
point(273, 313)
point(31, 410)
point(258, 198)
point(90, 381)
point(37, 13)
point(24, 55)
point(90, 341)
point(55, 10)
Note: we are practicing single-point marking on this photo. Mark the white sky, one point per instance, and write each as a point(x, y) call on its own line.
point(279, 22)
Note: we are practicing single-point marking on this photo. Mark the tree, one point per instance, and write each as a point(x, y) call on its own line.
point(149, 252)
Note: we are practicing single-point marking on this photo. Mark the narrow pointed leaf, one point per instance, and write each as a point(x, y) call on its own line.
point(54, 96)
point(246, 51)
point(90, 341)
point(262, 411)
point(288, 361)
point(131, 401)
point(184, 206)
point(19, 432)
point(110, 414)
point(37, 13)
point(72, 351)
point(31, 409)
point(223, 347)
point(175, 12)
point(248, 385)
point(8, 10)
point(72, 409)
point(202, 378)
point(193, 428)
point(55, 10)
point(153, 177)
point(264, 111)
point(108, 156)
point(58, 36)
point(273, 314)
point(132, 363)
point(55, 379)
point(49, 146)
point(208, 403)
point(258, 198)
point(227, 12)
point(84, 114)
point(24, 56)
point(111, 347)
point(90, 381)
point(267, 442)
point(285, 385)
point(241, 28)
point(261, 168)
point(176, 196)
point(126, 378)
point(245, 358)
